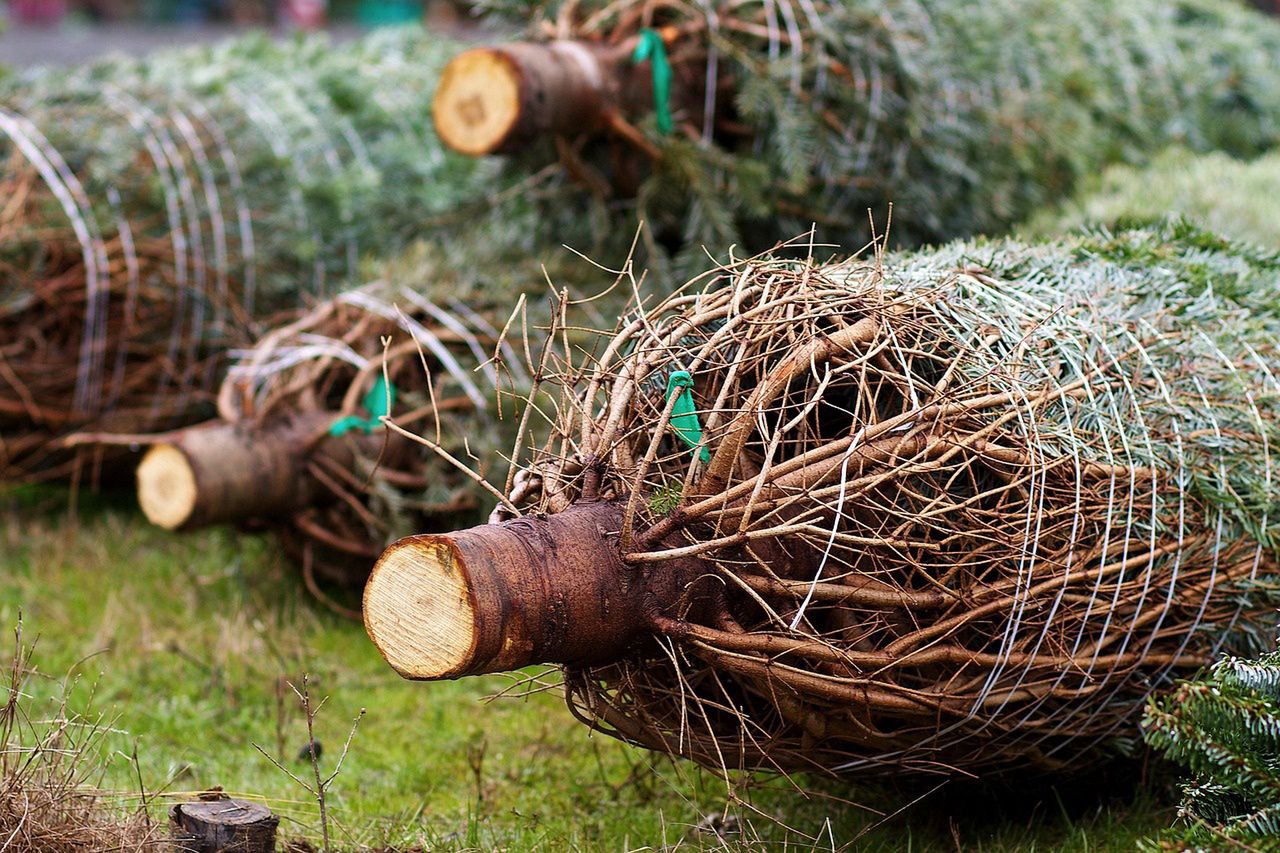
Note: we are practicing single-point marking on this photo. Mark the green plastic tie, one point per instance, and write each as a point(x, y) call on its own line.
point(652, 48)
point(377, 403)
point(684, 416)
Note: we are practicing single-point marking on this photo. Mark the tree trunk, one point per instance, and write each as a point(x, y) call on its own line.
point(220, 472)
point(499, 597)
point(233, 826)
point(495, 98)
point(498, 99)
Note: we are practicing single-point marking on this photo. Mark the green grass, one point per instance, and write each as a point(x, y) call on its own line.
point(183, 643)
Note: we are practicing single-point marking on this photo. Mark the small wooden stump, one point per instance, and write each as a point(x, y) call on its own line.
point(223, 826)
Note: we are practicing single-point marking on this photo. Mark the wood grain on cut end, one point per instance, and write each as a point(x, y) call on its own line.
point(419, 610)
point(220, 472)
point(477, 104)
point(539, 589)
point(167, 487)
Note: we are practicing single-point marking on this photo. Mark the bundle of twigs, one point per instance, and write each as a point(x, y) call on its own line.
point(957, 511)
point(155, 211)
point(967, 116)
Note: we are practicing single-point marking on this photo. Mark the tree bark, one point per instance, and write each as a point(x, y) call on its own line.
point(219, 472)
point(537, 589)
point(498, 99)
point(493, 99)
point(223, 826)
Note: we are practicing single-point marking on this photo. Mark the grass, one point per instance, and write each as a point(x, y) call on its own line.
point(186, 645)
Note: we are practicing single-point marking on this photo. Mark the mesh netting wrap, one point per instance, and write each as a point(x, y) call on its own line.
point(967, 116)
point(156, 210)
point(957, 511)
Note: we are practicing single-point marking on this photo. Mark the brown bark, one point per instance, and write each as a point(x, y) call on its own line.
point(220, 472)
point(537, 589)
point(498, 99)
point(493, 99)
point(233, 826)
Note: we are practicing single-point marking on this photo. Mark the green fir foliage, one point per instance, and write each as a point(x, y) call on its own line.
point(1224, 728)
point(1197, 317)
point(316, 154)
point(173, 205)
point(1237, 198)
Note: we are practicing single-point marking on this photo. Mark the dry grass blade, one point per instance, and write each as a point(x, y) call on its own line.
point(49, 799)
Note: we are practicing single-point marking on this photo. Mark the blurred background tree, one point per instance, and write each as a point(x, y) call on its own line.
point(308, 14)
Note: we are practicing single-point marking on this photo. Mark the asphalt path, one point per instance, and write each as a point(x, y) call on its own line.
point(72, 43)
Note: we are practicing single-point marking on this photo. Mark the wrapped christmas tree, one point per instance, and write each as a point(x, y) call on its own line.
point(721, 118)
point(299, 443)
point(157, 211)
point(959, 511)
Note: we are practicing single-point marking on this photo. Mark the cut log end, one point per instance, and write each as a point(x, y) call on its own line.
point(540, 589)
point(224, 472)
point(477, 104)
point(419, 611)
point(167, 487)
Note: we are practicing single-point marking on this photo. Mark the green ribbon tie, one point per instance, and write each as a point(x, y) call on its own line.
point(652, 48)
point(377, 403)
point(684, 417)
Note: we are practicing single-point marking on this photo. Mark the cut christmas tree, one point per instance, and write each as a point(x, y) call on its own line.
point(300, 443)
point(958, 511)
point(155, 212)
point(726, 120)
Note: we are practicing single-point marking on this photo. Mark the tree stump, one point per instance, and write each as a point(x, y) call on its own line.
point(223, 826)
